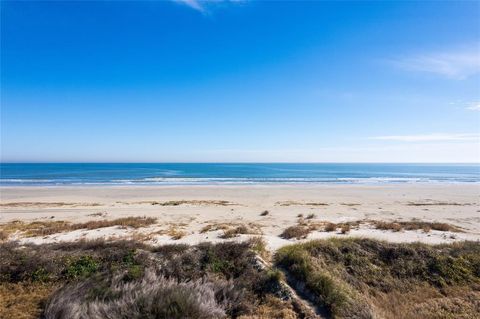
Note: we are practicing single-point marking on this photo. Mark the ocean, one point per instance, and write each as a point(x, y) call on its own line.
point(51, 174)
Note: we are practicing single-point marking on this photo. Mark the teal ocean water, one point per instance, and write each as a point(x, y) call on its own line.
point(232, 173)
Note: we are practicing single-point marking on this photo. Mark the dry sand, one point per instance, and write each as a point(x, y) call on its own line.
point(199, 206)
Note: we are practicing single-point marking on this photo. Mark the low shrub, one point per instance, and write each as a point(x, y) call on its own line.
point(329, 227)
point(297, 232)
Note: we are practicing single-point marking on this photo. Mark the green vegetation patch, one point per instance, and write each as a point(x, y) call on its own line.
point(365, 278)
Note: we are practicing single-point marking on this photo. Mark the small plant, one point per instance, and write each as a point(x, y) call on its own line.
point(345, 228)
point(310, 216)
point(81, 267)
point(297, 232)
point(134, 272)
point(234, 232)
point(264, 213)
point(274, 274)
point(329, 227)
point(258, 245)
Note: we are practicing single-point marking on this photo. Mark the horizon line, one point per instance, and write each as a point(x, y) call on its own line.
point(220, 162)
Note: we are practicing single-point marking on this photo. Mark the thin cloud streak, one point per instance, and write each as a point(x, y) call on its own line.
point(458, 65)
point(474, 107)
point(429, 137)
point(194, 4)
point(200, 5)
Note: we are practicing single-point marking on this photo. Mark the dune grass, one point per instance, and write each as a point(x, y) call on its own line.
point(187, 202)
point(296, 231)
point(362, 278)
point(45, 228)
point(89, 279)
point(306, 225)
point(415, 225)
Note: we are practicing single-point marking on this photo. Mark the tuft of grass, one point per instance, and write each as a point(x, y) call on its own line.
point(174, 231)
point(329, 227)
point(310, 216)
point(214, 227)
point(345, 229)
point(259, 246)
point(296, 231)
point(234, 232)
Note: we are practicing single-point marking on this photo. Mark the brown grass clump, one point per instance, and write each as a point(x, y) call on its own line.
point(329, 227)
point(241, 229)
point(214, 227)
point(297, 232)
point(175, 233)
point(415, 225)
point(274, 308)
point(345, 229)
point(45, 228)
point(388, 226)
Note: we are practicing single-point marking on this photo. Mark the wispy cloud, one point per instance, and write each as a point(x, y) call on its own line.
point(474, 106)
point(201, 5)
point(194, 4)
point(455, 64)
point(435, 137)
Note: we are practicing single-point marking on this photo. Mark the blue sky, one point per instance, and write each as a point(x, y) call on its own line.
point(240, 81)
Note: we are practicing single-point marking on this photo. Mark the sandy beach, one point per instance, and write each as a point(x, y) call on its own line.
point(192, 209)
